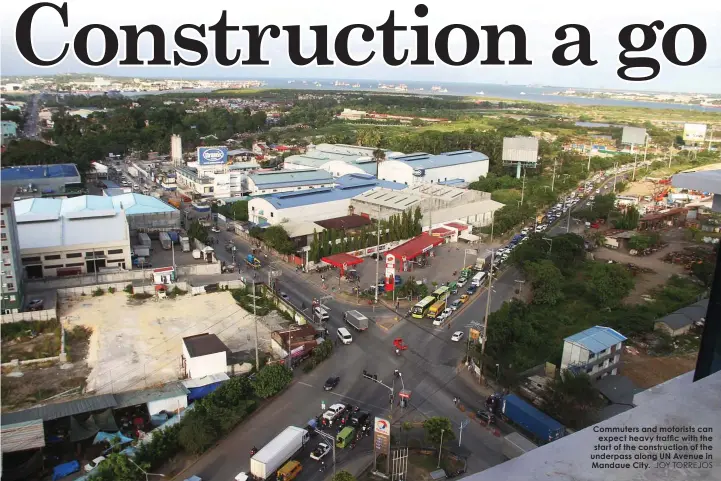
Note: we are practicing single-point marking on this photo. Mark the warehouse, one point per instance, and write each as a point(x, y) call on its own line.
point(263, 183)
point(338, 159)
point(71, 236)
point(314, 205)
point(43, 180)
point(422, 168)
point(146, 213)
point(439, 204)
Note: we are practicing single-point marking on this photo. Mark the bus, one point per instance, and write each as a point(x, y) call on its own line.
point(436, 309)
point(441, 293)
point(478, 279)
point(420, 309)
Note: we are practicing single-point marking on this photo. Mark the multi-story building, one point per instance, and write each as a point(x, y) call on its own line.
point(595, 351)
point(9, 130)
point(274, 182)
point(57, 180)
point(12, 276)
point(218, 180)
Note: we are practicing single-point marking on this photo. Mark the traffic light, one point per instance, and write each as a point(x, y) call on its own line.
point(372, 377)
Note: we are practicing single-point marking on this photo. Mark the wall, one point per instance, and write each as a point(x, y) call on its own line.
point(157, 221)
point(206, 365)
point(119, 287)
point(44, 315)
point(312, 213)
point(573, 354)
point(173, 404)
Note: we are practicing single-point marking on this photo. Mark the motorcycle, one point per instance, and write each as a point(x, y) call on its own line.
point(253, 451)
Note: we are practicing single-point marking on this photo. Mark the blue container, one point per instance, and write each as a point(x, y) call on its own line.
point(544, 427)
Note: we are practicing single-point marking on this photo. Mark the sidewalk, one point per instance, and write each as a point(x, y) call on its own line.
point(355, 466)
point(471, 380)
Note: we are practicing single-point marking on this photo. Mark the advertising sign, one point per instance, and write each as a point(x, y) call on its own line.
point(694, 132)
point(633, 136)
point(520, 149)
point(212, 155)
point(474, 334)
point(382, 436)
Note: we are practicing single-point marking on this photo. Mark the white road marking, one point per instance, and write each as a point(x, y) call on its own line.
point(305, 384)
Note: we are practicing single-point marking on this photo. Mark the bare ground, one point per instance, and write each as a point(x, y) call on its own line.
point(647, 371)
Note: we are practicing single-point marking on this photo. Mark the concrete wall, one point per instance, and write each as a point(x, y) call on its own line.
point(206, 365)
point(44, 315)
point(119, 287)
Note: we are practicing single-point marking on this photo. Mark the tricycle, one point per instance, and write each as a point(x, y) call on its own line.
point(399, 345)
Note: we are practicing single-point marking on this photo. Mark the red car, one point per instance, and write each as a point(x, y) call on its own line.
point(595, 225)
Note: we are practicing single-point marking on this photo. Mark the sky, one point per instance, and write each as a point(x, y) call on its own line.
point(539, 20)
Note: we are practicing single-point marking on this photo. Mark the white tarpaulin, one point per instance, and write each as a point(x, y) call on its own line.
point(467, 236)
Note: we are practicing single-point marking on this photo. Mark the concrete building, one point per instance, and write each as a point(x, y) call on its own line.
point(216, 180)
point(43, 180)
point(350, 114)
point(422, 168)
point(204, 355)
point(316, 204)
point(8, 129)
point(439, 204)
point(176, 150)
point(682, 321)
point(595, 351)
point(146, 213)
point(262, 183)
point(338, 159)
point(12, 274)
point(71, 236)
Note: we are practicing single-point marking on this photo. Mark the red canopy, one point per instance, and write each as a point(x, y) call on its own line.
point(416, 246)
point(442, 232)
point(342, 261)
point(456, 225)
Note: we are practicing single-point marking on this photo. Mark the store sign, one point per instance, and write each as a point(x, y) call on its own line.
point(419, 172)
point(382, 436)
point(390, 261)
point(212, 155)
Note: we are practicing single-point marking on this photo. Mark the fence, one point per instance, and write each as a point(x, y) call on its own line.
point(44, 315)
point(88, 290)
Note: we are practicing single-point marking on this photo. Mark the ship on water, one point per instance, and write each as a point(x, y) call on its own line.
point(356, 85)
point(438, 89)
point(480, 93)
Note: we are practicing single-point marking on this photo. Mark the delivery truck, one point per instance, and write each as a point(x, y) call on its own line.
point(141, 251)
point(144, 239)
point(515, 445)
point(357, 320)
point(165, 241)
point(542, 426)
point(185, 243)
point(284, 446)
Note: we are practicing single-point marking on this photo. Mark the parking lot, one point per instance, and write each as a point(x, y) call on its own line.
point(160, 257)
point(137, 344)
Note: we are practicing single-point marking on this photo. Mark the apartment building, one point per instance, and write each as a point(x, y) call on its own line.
point(12, 278)
point(595, 351)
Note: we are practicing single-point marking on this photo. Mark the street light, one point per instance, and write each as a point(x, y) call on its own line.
point(550, 244)
point(331, 440)
point(144, 471)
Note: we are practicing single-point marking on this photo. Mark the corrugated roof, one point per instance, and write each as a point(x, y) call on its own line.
point(686, 315)
point(384, 197)
point(366, 180)
point(324, 153)
point(205, 380)
point(140, 204)
point(345, 222)
point(38, 209)
point(134, 398)
point(596, 339)
point(67, 231)
point(38, 172)
point(204, 344)
point(290, 178)
point(415, 246)
point(59, 410)
point(22, 436)
point(421, 160)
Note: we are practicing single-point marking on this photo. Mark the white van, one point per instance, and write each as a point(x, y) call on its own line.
point(344, 335)
point(478, 279)
point(321, 314)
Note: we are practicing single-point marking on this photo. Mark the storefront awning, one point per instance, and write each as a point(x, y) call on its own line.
point(342, 261)
point(414, 247)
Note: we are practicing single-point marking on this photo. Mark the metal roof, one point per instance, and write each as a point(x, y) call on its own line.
point(140, 204)
point(39, 172)
point(22, 436)
point(134, 398)
point(324, 153)
point(421, 160)
point(596, 339)
point(367, 180)
point(705, 181)
point(59, 410)
point(384, 197)
point(686, 315)
point(204, 344)
point(85, 206)
point(290, 178)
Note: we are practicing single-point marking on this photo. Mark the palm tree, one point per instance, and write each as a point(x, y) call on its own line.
point(379, 155)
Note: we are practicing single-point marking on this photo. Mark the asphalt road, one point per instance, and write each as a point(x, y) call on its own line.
point(30, 129)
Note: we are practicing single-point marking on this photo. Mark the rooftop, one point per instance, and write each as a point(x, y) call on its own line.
point(29, 210)
point(323, 153)
point(385, 197)
point(446, 193)
point(134, 398)
point(345, 222)
point(39, 172)
point(59, 410)
point(290, 178)
point(421, 160)
point(686, 315)
point(596, 339)
point(366, 180)
point(204, 344)
point(7, 195)
point(415, 246)
point(302, 228)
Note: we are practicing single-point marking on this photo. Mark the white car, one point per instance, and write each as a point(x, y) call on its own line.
point(94, 463)
point(320, 451)
point(462, 283)
point(457, 336)
point(439, 319)
point(456, 304)
point(333, 412)
point(215, 229)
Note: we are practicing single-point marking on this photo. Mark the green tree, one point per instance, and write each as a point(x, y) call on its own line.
point(629, 220)
point(433, 428)
point(277, 238)
point(547, 282)
point(198, 231)
point(197, 433)
point(572, 399)
point(343, 476)
point(271, 380)
point(608, 284)
point(417, 219)
point(117, 467)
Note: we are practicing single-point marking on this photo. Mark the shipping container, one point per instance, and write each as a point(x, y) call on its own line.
point(274, 454)
point(544, 427)
point(165, 241)
point(144, 239)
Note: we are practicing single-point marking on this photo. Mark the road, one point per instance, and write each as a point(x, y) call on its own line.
point(31, 128)
point(428, 369)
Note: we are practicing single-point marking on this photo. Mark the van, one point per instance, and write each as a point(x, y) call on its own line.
point(345, 437)
point(289, 471)
point(321, 314)
point(478, 278)
point(344, 335)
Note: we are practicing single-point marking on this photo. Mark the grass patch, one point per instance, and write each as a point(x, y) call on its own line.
point(24, 330)
point(244, 297)
point(29, 344)
point(141, 296)
point(77, 340)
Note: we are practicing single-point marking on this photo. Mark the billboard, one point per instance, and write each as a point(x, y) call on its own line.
point(694, 132)
point(520, 149)
point(382, 436)
point(633, 136)
point(212, 155)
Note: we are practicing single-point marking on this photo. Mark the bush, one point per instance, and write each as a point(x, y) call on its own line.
point(271, 380)
point(98, 292)
point(111, 290)
point(196, 434)
point(142, 296)
point(128, 289)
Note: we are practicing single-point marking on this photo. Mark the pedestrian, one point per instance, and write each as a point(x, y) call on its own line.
point(455, 401)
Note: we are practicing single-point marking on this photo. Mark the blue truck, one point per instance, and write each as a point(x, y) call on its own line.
point(544, 427)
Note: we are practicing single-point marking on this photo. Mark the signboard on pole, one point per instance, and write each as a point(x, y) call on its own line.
point(474, 334)
point(633, 136)
point(382, 436)
point(390, 272)
point(694, 132)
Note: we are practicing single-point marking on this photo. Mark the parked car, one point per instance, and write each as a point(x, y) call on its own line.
point(331, 383)
point(333, 412)
point(457, 336)
point(35, 305)
point(471, 291)
point(215, 229)
point(462, 282)
point(94, 463)
point(359, 418)
point(284, 296)
point(320, 451)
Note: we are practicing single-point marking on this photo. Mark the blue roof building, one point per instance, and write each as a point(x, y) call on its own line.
point(423, 168)
point(595, 351)
point(262, 183)
point(38, 180)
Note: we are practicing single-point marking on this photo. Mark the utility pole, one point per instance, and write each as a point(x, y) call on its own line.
point(523, 186)
point(493, 216)
point(488, 308)
point(255, 320)
point(568, 222)
point(589, 159)
point(440, 449)
point(331, 441)
point(553, 179)
point(378, 254)
point(615, 176)
point(645, 151)
point(635, 158)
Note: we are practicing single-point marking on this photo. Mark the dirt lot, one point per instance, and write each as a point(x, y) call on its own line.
point(137, 344)
point(648, 371)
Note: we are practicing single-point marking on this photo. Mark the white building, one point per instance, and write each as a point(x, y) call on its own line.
point(204, 355)
point(273, 182)
point(595, 351)
point(338, 159)
point(313, 205)
point(350, 114)
point(171, 397)
point(421, 168)
point(219, 180)
point(71, 236)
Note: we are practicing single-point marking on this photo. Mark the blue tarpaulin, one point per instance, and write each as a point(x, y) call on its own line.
point(202, 391)
point(62, 470)
point(111, 437)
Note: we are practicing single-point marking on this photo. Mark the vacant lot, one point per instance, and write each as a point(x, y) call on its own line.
point(136, 344)
point(647, 371)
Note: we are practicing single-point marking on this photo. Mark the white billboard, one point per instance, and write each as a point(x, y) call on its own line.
point(520, 149)
point(633, 136)
point(694, 132)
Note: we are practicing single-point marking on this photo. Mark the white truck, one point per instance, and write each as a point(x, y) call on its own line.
point(165, 241)
point(515, 445)
point(185, 243)
point(144, 239)
point(356, 319)
point(284, 446)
